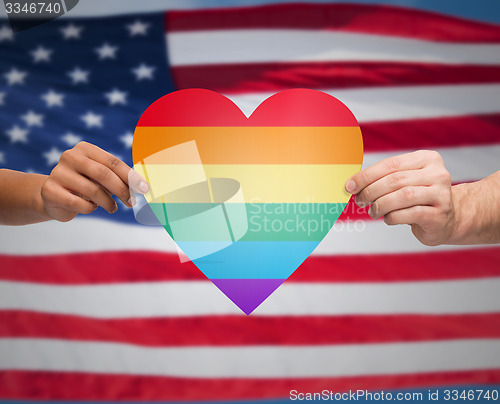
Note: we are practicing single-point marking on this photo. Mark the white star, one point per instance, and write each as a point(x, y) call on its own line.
point(2, 98)
point(144, 72)
point(79, 76)
point(6, 34)
point(127, 139)
point(138, 28)
point(17, 134)
point(15, 76)
point(72, 31)
point(92, 120)
point(71, 139)
point(2, 157)
point(32, 119)
point(107, 51)
point(52, 156)
point(53, 99)
point(41, 54)
point(116, 97)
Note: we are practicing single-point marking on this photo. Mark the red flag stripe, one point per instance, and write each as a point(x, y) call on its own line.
point(364, 18)
point(444, 265)
point(146, 266)
point(431, 133)
point(270, 77)
point(41, 385)
point(256, 330)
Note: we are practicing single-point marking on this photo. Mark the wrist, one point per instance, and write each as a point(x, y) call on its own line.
point(472, 215)
point(462, 223)
point(37, 203)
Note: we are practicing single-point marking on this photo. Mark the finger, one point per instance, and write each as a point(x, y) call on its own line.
point(412, 215)
point(402, 198)
point(64, 199)
point(391, 183)
point(80, 185)
point(105, 177)
point(137, 183)
point(403, 162)
point(113, 163)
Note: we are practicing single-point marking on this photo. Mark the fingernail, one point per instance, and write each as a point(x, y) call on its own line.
point(144, 187)
point(115, 208)
point(132, 201)
point(350, 186)
point(371, 212)
point(358, 202)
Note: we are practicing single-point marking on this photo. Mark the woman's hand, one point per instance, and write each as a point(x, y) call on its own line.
point(85, 178)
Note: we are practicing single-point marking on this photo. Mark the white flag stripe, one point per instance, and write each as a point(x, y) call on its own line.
point(463, 163)
point(249, 362)
point(88, 234)
point(197, 298)
point(359, 237)
point(295, 45)
point(402, 103)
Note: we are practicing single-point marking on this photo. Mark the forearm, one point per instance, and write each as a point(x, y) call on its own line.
point(477, 211)
point(20, 199)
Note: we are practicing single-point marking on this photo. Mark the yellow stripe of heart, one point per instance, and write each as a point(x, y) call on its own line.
point(267, 183)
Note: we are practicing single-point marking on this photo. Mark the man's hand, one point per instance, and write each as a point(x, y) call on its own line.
point(414, 189)
point(85, 178)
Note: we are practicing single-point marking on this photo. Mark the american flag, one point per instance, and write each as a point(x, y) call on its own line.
point(100, 308)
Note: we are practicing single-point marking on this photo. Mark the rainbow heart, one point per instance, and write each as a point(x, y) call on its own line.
point(247, 199)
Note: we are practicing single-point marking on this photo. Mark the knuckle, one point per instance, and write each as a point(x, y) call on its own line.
point(48, 188)
point(397, 179)
point(56, 172)
point(365, 177)
point(82, 145)
point(102, 173)
point(91, 189)
point(392, 164)
point(66, 156)
point(444, 176)
point(113, 162)
point(71, 203)
point(88, 208)
point(408, 193)
point(433, 155)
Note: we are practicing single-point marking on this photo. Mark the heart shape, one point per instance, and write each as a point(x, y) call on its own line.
point(247, 199)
